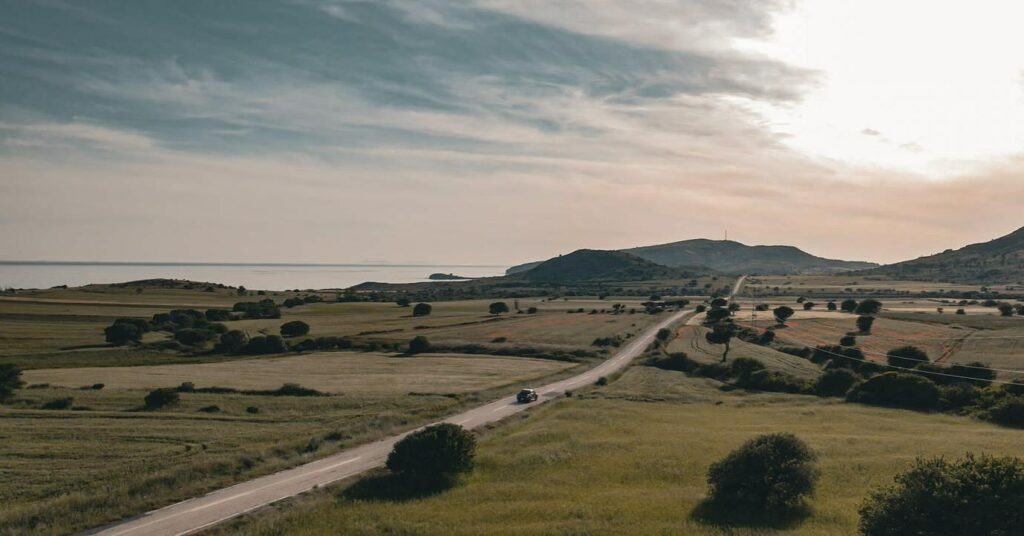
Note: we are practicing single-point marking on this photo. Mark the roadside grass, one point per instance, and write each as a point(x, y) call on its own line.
point(331, 372)
point(605, 464)
point(691, 341)
point(68, 470)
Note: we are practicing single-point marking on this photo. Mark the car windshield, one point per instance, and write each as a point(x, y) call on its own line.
point(526, 391)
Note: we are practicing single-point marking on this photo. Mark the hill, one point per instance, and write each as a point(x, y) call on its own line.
point(600, 265)
point(732, 257)
point(996, 261)
point(729, 257)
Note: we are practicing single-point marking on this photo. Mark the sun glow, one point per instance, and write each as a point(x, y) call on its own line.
point(931, 87)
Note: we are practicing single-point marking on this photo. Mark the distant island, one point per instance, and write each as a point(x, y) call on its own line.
point(447, 277)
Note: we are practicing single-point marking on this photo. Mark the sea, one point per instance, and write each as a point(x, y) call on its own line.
point(26, 275)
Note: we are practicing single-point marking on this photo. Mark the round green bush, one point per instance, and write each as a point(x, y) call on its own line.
point(835, 382)
point(434, 455)
point(419, 344)
point(1008, 412)
point(295, 328)
point(768, 473)
point(971, 496)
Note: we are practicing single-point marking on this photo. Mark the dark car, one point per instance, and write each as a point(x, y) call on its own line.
point(526, 396)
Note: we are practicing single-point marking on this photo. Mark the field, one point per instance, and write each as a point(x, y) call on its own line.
point(632, 457)
point(690, 340)
point(847, 284)
point(331, 372)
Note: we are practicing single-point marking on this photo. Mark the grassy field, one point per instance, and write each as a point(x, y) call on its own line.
point(331, 372)
point(632, 458)
point(838, 284)
point(691, 341)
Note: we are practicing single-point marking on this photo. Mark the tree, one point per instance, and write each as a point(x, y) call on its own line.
point(782, 313)
point(120, 333)
point(10, 379)
point(421, 309)
point(868, 307)
point(433, 456)
point(1008, 412)
point(809, 305)
point(831, 306)
point(295, 328)
point(716, 314)
point(721, 334)
point(402, 302)
point(906, 357)
point(848, 306)
point(159, 398)
point(733, 307)
point(419, 344)
point(981, 374)
point(848, 340)
point(663, 334)
point(973, 495)
point(864, 323)
point(497, 308)
point(1006, 309)
point(769, 473)
point(218, 315)
point(719, 302)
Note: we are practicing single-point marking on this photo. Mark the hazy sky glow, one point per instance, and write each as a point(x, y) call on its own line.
point(502, 131)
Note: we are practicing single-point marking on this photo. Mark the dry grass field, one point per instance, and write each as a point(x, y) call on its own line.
point(331, 372)
point(691, 341)
point(632, 458)
point(838, 284)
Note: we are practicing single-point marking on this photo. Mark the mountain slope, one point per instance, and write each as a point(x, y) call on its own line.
point(599, 265)
point(735, 258)
point(996, 261)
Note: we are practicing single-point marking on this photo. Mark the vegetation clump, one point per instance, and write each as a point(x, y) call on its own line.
point(160, 398)
point(419, 344)
point(10, 379)
point(434, 456)
point(974, 495)
point(897, 389)
point(770, 473)
point(295, 328)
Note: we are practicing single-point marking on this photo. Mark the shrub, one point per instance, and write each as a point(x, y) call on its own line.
point(531, 311)
point(193, 336)
point(835, 382)
point(122, 333)
point(980, 373)
point(218, 315)
point(906, 357)
point(1008, 412)
point(403, 302)
point(864, 323)
point(848, 340)
point(421, 309)
point(305, 345)
point(260, 345)
point(159, 398)
point(10, 379)
point(602, 381)
point(419, 344)
point(97, 386)
point(973, 495)
point(58, 403)
point(1015, 387)
point(252, 410)
point(186, 387)
point(210, 409)
point(743, 367)
point(663, 334)
point(290, 389)
point(716, 314)
point(961, 312)
point(868, 307)
point(434, 455)
point(1006, 309)
point(295, 328)
point(773, 381)
point(831, 306)
point(896, 389)
point(232, 342)
point(700, 309)
point(770, 472)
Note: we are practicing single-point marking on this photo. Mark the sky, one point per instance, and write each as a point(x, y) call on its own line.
point(505, 131)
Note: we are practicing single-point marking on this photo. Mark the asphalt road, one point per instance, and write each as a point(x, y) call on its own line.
point(196, 514)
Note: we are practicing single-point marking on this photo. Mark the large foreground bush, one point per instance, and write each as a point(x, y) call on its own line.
point(768, 473)
point(433, 456)
point(980, 496)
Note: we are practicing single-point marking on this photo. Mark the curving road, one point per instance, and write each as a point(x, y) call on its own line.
point(196, 514)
